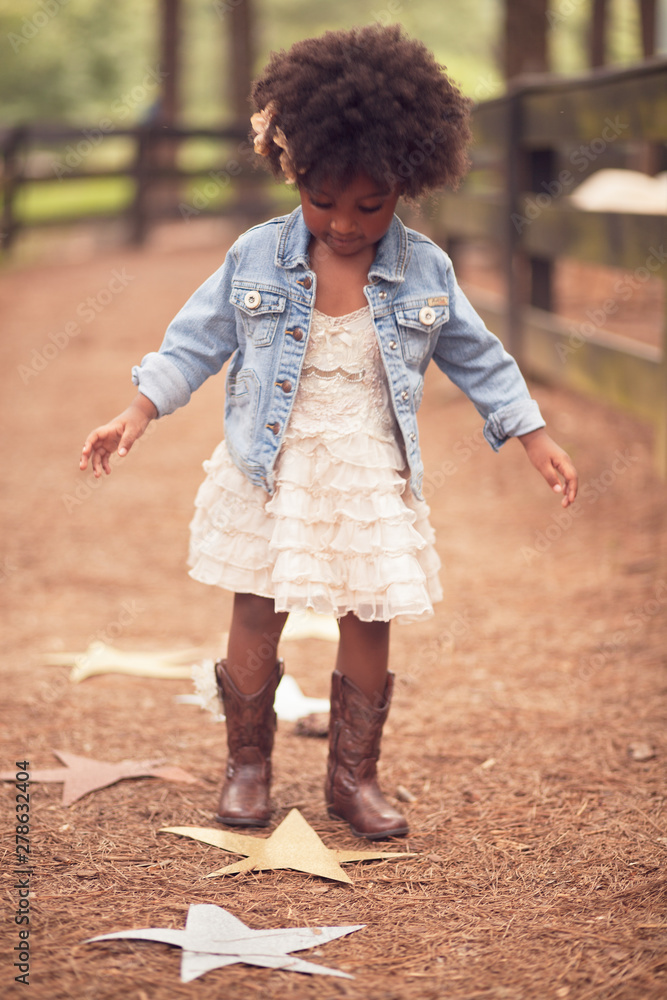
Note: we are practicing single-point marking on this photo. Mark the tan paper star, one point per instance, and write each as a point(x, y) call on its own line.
point(83, 774)
point(293, 844)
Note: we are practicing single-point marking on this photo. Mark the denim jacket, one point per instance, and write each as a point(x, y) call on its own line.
point(257, 310)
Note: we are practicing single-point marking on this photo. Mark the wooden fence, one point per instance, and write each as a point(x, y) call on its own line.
point(161, 186)
point(533, 147)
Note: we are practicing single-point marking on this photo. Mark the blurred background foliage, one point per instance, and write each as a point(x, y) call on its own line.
point(78, 61)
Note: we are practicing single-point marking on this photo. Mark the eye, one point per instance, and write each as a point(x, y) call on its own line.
point(369, 209)
point(320, 204)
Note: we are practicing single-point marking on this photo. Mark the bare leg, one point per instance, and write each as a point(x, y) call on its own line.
point(363, 654)
point(253, 641)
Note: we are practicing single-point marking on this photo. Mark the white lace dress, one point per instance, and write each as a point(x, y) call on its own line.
point(343, 531)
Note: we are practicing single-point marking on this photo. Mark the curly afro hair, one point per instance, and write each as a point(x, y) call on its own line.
point(369, 100)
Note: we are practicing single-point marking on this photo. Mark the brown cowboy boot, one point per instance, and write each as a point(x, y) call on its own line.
point(251, 724)
point(355, 731)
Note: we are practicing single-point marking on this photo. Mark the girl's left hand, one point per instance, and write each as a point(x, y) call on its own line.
point(553, 463)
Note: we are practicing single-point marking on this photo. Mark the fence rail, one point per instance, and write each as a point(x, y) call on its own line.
point(37, 155)
point(533, 147)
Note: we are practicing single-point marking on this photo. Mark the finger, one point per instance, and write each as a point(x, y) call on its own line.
point(126, 442)
point(97, 462)
point(87, 449)
point(552, 477)
point(569, 474)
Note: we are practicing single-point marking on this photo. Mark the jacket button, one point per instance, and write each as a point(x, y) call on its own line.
point(427, 316)
point(307, 282)
point(297, 333)
point(382, 295)
point(285, 386)
point(393, 345)
point(413, 436)
point(405, 394)
point(275, 427)
point(252, 299)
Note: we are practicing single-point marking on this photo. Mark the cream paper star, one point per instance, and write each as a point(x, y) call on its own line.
point(214, 938)
point(102, 659)
point(293, 844)
point(83, 774)
point(290, 702)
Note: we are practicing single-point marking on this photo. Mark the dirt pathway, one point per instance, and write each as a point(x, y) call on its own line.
point(529, 717)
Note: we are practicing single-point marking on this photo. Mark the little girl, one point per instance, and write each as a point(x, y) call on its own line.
point(330, 317)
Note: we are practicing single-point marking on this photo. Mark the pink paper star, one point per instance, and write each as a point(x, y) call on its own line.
point(83, 774)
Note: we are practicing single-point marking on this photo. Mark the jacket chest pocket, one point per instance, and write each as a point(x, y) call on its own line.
point(260, 310)
point(419, 324)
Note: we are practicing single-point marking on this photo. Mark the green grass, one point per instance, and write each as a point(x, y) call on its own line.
point(54, 200)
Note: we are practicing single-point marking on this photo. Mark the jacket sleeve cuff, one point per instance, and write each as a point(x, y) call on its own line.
point(512, 420)
point(161, 381)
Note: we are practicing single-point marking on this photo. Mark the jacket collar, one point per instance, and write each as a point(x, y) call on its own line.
point(390, 259)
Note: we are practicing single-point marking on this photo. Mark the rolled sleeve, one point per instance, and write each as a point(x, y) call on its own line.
point(160, 380)
point(198, 341)
point(512, 420)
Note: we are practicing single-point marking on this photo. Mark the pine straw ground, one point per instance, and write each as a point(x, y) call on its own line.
point(528, 719)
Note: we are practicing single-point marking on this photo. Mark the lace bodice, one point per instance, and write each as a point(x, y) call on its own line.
point(343, 387)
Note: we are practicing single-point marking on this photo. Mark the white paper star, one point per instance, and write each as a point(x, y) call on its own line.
point(214, 938)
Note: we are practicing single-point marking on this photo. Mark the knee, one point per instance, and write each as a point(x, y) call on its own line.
point(374, 631)
point(257, 614)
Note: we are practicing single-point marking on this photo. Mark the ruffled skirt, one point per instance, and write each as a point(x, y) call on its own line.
point(342, 532)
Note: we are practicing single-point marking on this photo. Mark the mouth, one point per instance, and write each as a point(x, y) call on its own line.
point(341, 241)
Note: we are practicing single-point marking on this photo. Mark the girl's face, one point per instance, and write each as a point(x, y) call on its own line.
point(352, 220)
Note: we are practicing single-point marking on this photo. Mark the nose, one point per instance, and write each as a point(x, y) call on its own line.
point(342, 224)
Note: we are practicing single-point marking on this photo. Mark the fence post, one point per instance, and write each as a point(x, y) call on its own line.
point(542, 164)
point(661, 421)
point(11, 182)
point(138, 221)
point(515, 266)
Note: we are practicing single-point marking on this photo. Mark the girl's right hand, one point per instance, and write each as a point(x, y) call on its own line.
point(119, 434)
